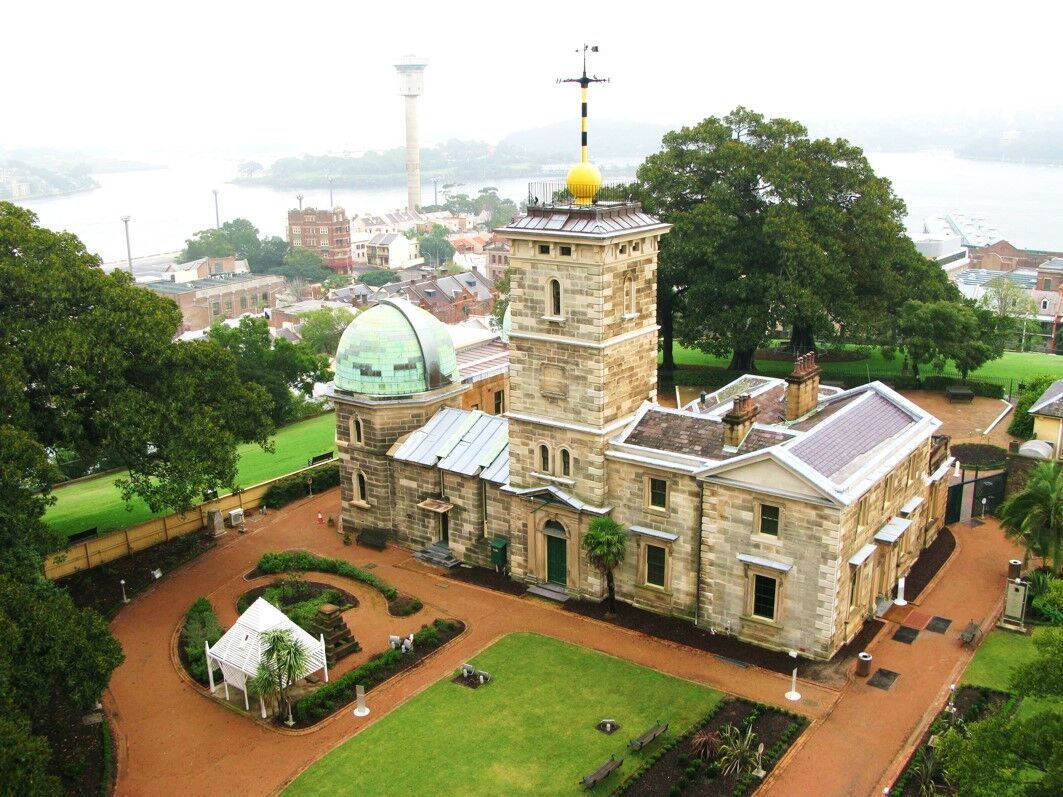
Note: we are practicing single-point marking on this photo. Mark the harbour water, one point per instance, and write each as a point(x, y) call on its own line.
point(168, 205)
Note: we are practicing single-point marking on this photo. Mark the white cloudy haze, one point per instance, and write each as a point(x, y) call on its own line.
point(139, 78)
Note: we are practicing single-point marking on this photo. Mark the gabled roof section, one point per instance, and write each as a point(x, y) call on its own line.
point(240, 647)
point(465, 442)
point(696, 435)
point(1050, 402)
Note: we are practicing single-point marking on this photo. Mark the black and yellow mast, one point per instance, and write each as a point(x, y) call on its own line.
point(584, 179)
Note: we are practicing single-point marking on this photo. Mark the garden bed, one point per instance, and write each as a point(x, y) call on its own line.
point(82, 755)
point(972, 703)
point(99, 587)
point(485, 577)
point(684, 632)
point(675, 769)
point(298, 599)
point(331, 697)
point(930, 561)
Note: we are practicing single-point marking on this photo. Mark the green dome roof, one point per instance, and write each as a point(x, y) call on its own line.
point(395, 349)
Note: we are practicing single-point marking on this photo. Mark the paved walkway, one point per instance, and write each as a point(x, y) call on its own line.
point(174, 739)
point(858, 748)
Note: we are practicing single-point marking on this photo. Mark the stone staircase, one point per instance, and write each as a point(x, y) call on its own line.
point(549, 591)
point(438, 553)
point(338, 640)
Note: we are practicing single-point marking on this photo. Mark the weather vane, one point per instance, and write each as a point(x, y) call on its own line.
point(584, 82)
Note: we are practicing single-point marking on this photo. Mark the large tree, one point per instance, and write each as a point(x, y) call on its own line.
point(605, 542)
point(1034, 514)
point(434, 246)
point(88, 363)
point(775, 230)
point(321, 329)
point(279, 367)
point(963, 332)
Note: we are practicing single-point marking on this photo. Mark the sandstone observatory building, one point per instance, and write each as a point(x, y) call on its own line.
point(781, 511)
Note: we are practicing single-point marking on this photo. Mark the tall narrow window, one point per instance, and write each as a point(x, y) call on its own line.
point(555, 298)
point(566, 462)
point(362, 491)
point(854, 585)
point(500, 402)
point(769, 520)
point(655, 565)
point(544, 459)
point(659, 493)
point(764, 591)
point(629, 295)
point(357, 430)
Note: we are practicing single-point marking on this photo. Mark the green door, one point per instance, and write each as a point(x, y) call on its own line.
point(556, 560)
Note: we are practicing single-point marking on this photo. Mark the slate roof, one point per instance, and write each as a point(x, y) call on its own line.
point(482, 359)
point(695, 435)
point(1050, 402)
point(832, 447)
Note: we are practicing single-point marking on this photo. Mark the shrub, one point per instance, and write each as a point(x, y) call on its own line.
point(405, 605)
point(292, 488)
point(201, 625)
point(738, 749)
point(682, 760)
point(1021, 425)
point(704, 744)
point(338, 693)
point(1050, 602)
point(295, 561)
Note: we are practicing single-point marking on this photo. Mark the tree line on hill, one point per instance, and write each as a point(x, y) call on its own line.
point(773, 230)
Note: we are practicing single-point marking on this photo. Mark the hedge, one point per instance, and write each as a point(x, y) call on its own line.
point(336, 694)
point(292, 488)
point(299, 561)
point(201, 625)
point(106, 759)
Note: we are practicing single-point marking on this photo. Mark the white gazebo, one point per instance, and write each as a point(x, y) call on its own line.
point(240, 650)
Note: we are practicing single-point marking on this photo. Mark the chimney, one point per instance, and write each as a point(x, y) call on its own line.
point(802, 387)
point(738, 421)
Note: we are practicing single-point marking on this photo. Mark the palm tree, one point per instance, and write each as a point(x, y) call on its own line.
point(605, 542)
point(287, 659)
point(263, 685)
point(1034, 515)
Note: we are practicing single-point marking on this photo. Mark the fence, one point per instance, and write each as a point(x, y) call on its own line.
point(116, 544)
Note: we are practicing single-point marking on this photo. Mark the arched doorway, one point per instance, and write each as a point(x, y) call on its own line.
point(556, 552)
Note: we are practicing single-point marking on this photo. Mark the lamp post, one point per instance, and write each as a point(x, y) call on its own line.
point(128, 250)
point(793, 694)
point(124, 598)
point(217, 215)
point(983, 508)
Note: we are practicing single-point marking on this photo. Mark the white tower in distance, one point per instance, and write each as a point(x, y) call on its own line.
point(411, 86)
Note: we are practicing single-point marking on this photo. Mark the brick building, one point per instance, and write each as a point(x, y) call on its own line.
point(497, 253)
point(327, 232)
point(451, 299)
point(781, 511)
point(205, 301)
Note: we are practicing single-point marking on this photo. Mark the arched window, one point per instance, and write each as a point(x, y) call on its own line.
point(629, 295)
point(554, 287)
point(566, 462)
point(357, 430)
point(555, 527)
point(362, 491)
point(544, 458)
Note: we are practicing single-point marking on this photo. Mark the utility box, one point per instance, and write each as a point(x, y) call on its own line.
point(498, 553)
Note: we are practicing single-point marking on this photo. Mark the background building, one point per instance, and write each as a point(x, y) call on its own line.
point(204, 301)
point(392, 250)
point(327, 232)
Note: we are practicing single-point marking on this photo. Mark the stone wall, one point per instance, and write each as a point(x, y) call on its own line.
point(630, 502)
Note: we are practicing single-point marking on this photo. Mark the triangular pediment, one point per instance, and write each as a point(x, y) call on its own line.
point(772, 471)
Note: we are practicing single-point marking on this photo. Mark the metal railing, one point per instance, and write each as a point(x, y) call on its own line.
point(557, 192)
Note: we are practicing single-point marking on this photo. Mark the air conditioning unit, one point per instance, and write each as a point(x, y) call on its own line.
point(236, 517)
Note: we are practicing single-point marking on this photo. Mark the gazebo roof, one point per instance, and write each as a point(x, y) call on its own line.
point(240, 648)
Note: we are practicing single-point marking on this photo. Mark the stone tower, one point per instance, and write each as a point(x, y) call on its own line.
point(583, 358)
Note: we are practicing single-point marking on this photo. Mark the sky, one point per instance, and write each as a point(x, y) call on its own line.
point(236, 78)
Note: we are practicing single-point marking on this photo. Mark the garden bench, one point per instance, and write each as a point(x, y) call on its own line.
point(959, 393)
point(373, 538)
point(641, 741)
point(970, 633)
point(602, 772)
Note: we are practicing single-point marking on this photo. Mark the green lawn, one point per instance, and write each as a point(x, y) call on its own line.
point(999, 654)
point(1013, 365)
point(530, 732)
point(97, 502)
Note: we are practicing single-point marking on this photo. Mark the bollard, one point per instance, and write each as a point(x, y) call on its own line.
point(863, 665)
